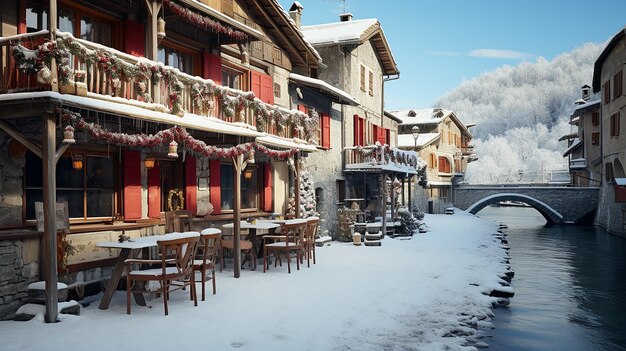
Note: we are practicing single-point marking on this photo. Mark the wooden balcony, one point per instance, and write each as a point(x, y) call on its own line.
point(381, 157)
point(98, 72)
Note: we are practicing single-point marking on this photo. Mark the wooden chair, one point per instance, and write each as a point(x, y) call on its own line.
point(292, 239)
point(206, 254)
point(309, 239)
point(177, 252)
point(246, 247)
point(178, 221)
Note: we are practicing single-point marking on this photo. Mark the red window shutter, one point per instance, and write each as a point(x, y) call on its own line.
point(267, 188)
point(132, 185)
point(388, 136)
point(361, 131)
point(212, 67)
point(255, 83)
point(134, 38)
point(267, 89)
point(215, 180)
point(154, 191)
point(303, 108)
point(191, 190)
point(375, 132)
point(325, 131)
point(356, 130)
point(21, 26)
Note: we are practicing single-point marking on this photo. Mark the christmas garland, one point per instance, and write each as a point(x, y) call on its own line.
point(204, 22)
point(391, 155)
point(165, 137)
point(202, 91)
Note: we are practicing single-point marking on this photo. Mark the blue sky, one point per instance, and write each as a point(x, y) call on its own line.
point(440, 43)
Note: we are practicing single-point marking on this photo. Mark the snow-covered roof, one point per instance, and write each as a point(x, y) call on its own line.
point(354, 32)
point(577, 142)
point(620, 181)
point(586, 104)
point(341, 95)
point(337, 32)
point(422, 116)
point(423, 140)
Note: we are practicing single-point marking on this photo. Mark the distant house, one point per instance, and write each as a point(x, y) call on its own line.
point(608, 80)
point(583, 152)
point(443, 142)
point(358, 61)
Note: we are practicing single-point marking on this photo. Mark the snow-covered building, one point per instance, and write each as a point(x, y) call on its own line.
point(583, 152)
point(105, 106)
point(608, 81)
point(443, 142)
point(358, 61)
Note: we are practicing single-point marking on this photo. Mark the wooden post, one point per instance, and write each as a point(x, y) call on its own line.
point(383, 185)
point(296, 184)
point(153, 8)
point(50, 229)
point(238, 164)
point(52, 27)
point(408, 183)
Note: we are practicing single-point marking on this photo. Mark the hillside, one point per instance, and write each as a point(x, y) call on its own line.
point(520, 113)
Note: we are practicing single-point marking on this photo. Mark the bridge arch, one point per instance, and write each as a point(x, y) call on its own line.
point(550, 214)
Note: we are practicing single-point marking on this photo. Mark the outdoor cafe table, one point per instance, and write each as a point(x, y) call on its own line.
point(252, 229)
point(129, 249)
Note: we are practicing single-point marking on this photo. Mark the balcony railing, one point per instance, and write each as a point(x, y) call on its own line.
point(381, 155)
point(88, 69)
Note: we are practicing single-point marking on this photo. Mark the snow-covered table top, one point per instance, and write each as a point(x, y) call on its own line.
point(258, 225)
point(144, 241)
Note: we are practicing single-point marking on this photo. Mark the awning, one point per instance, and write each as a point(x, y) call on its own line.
point(271, 140)
point(337, 94)
point(115, 106)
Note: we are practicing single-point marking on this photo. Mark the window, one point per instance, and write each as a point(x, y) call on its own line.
point(249, 187)
point(95, 29)
point(432, 161)
point(444, 165)
point(595, 138)
point(324, 131)
point(615, 124)
point(617, 85)
point(371, 83)
point(595, 119)
point(232, 78)
point(88, 191)
point(277, 90)
point(359, 131)
point(606, 90)
point(363, 77)
point(176, 58)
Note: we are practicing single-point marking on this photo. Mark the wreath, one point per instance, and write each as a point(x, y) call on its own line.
point(181, 200)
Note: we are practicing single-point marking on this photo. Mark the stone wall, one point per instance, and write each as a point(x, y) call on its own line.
point(610, 215)
point(17, 269)
point(11, 171)
point(203, 196)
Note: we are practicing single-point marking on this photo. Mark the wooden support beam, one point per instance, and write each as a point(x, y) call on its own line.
point(296, 184)
point(50, 230)
point(383, 197)
point(60, 152)
point(239, 163)
point(152, 48)
point(7, 128)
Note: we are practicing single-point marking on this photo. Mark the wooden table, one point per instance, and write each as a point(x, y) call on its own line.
point(129, 249)
point(252, 230)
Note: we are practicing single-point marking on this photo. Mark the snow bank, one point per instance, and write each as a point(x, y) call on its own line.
point(419, 294)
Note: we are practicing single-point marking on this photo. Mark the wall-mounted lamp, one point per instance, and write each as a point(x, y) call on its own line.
point(149, 162)
point(247, 174)
point(160, 28)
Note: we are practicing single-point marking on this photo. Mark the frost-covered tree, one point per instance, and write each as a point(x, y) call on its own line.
point(520, 113)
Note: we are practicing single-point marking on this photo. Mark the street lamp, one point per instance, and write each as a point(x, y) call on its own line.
point(416, 133)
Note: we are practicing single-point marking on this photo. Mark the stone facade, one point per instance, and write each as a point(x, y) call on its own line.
point(17, 269)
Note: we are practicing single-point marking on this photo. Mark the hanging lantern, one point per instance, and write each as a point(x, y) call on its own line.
point(173, 150)
point(149, 163)
point(77, 161)
point(247, 174)
point(68, 135)
point(160, 28)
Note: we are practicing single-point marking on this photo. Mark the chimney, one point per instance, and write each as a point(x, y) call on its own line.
point(586, 92)
point(345, 17)
point(295, 12)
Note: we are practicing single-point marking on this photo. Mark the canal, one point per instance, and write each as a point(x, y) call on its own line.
point(570, 286)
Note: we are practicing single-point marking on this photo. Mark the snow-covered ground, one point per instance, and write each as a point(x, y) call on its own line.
point(419, 294)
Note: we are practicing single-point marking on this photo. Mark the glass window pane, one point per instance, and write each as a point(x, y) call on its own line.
point(74, 200)
point(67, 176)
point(34, 170)
point(161, 55)
point(227, 190)
point(95, 31)
point(99, 172)
point(249, 188)
point(99, 203)
point(32, 196)
point(66, 21)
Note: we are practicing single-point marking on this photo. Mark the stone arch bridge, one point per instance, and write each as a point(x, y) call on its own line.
point(557, 204)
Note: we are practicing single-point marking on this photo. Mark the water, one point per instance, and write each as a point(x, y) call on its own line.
point(569, 283)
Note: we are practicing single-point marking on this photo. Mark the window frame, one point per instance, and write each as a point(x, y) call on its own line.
point(363, 83)
point(259, 187)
